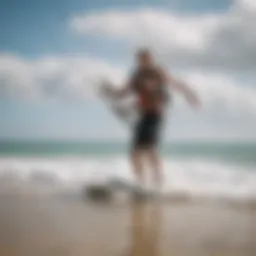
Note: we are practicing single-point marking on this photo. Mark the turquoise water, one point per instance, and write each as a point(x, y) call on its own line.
point(240, 153)
point(214, 169)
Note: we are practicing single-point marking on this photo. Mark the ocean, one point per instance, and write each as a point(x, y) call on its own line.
point(200, 169)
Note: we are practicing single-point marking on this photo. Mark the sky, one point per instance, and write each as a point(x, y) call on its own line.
point(53, 55)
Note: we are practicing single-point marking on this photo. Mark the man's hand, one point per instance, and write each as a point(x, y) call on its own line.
point(107, 89)
point(182, 88)
point(110, 91)
point(193, 100)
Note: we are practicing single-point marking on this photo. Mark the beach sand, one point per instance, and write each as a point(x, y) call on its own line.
point(34, 225)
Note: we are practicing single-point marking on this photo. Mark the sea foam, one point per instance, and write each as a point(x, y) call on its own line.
point(196, 177)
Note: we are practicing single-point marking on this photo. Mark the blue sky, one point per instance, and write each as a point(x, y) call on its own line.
point(36, 35)
point(32, 28)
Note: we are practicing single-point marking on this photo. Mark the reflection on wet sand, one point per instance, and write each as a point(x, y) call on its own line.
point(37, 225)
point(145, 229)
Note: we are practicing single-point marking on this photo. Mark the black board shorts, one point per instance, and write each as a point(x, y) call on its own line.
point(146, 131)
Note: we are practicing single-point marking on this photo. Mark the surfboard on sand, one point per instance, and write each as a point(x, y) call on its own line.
point(108, 191)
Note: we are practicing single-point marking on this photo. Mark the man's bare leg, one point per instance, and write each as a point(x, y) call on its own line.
point(155, 165)
point(137, 165)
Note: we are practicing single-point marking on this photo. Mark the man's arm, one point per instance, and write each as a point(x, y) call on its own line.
point(117, 93)
point(182, 88)
point(123, 92)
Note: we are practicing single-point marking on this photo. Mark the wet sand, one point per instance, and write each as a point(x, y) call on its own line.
point(33, 225)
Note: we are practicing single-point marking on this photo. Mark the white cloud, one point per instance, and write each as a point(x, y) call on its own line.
point(56, 77)
point(53, 77)
point(246, 4)
point(222, 91)
point(159, 28)
point(226, 40)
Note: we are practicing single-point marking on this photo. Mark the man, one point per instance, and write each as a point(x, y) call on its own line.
point(149, 84)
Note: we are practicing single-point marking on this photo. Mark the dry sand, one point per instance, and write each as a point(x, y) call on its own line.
point(33, 225)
